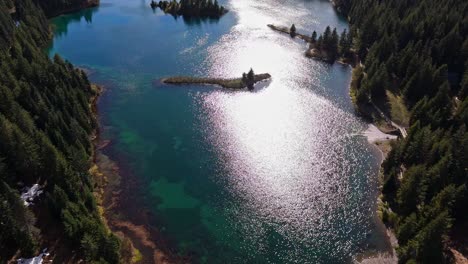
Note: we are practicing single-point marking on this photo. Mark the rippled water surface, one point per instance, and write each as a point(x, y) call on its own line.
point(274, 176)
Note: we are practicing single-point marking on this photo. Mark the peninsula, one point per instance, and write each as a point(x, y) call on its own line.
point(191, 8)
point(246, 81)
point(329, 46)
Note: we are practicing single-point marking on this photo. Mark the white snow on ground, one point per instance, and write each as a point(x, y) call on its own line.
point(35, 260)
point(30, 194)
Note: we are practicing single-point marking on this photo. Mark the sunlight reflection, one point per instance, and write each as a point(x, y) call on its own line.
point(283, 145)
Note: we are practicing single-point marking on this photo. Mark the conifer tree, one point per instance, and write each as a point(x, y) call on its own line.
point(292, 30)
point(314, 37)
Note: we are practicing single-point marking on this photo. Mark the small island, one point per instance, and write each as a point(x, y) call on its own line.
point(191, 8)
point(328, 47)
point(247, 80)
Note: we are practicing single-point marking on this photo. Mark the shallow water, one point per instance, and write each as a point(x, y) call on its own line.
point(273, 176)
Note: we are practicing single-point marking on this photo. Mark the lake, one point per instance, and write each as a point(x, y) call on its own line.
point(278, 175)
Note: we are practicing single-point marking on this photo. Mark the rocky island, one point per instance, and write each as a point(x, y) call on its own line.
point(247, 80)
point(191, 8)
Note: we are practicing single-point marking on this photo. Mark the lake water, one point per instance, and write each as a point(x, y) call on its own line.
point(278, 175)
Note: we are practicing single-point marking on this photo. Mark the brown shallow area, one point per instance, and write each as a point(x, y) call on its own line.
point(120, 203)
point(124, 213)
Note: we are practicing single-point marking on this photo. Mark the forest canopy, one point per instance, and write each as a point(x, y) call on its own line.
point(419, 50)
point(45, 128)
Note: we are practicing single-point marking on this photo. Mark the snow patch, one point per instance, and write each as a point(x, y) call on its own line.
point(36, 260)
point(29, 194)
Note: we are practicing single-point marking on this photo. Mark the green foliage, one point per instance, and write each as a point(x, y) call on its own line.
point(45, 128)
point(345, 44)
point(314, 37)
point(249, 79)
point(6, 25)
point(464, 86)
point(419, 49)
point(16, 224)
point(292, 30)
point(333, 44)
point(250, 75)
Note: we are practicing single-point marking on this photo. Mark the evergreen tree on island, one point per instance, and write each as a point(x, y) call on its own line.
point(327, 36)
point(319, 42)
point(333, 48)
point(249, 79)
point(292, 31)
point(313, 39)
point(330, 45)
point(244, 77)
point(345, 43)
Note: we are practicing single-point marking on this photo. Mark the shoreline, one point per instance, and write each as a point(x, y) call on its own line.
point(140, 232)
point(88, 4)
point(380, 133)
point(379, 139)
point(382, 143)
point(137, 239)
point(140, 244)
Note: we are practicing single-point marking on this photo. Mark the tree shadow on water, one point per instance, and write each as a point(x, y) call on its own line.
point(195, 21)
point(61, 23)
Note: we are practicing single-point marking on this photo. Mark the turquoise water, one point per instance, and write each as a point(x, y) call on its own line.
point(274, 176)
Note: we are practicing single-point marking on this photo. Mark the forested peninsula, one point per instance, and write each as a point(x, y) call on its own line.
point(414, 70)
point(329, 46)
point(46, 127)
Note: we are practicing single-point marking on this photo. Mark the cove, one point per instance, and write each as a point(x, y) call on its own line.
point(278, 175)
